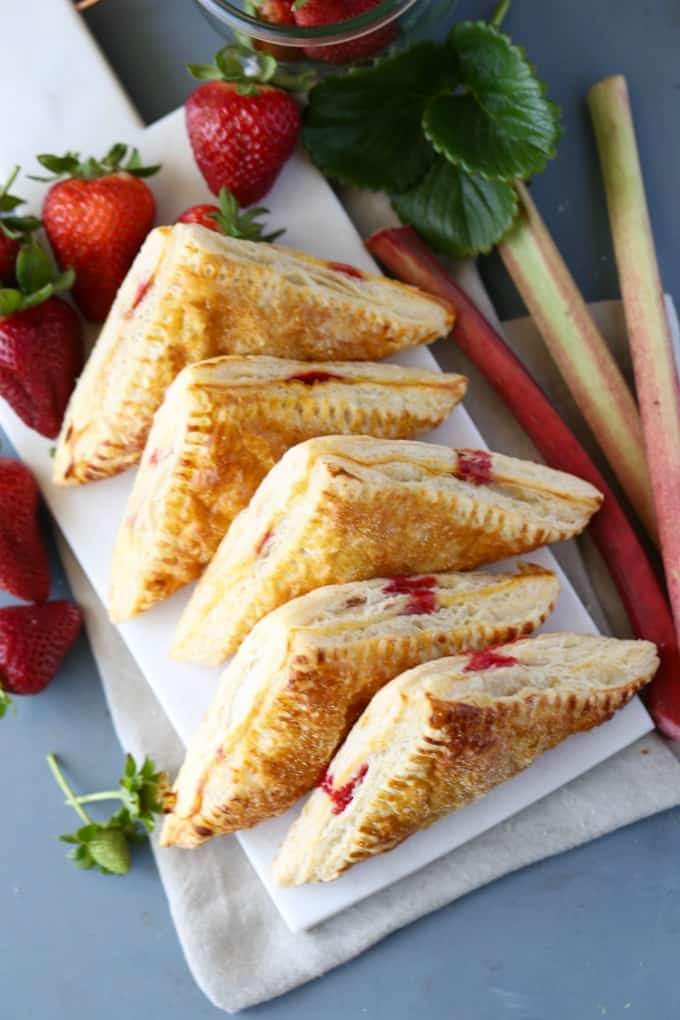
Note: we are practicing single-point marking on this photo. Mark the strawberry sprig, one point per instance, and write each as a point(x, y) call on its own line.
point(249, 69)
point(17, 228)
point(37, 280)
point(106, 845)
point(228, 219)
point(445, 128)
point(119, 159)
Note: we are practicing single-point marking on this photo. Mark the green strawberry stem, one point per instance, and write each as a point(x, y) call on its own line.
point(10, 180)
point(71, 798)
point(91, 798)
point(498, 15)
point(249, 69)
point(580, 352)
point(233, 222)
point(5, 703)
point(649, 335)
point(119, 159)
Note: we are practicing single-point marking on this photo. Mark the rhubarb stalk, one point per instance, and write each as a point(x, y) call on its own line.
point(403, 253)
point(649, 332)
point(579, 351)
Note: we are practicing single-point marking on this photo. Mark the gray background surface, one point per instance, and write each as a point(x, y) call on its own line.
point(591, 933)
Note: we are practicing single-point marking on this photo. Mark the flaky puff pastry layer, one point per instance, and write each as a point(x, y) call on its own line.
point(443, 734)
point(306, 672)
point(191, 294)
point(223, 424)
point(339, 509)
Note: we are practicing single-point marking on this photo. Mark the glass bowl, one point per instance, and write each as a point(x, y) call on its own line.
point(388, 23)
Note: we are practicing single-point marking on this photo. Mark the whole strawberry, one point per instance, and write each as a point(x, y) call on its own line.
point(227, 218)
point(276, 12)
point(24, 570)
point(33, 642)
point(96, 220)
point(40, 343)
point(14, 230)
point(242, 130)
point(312, 13)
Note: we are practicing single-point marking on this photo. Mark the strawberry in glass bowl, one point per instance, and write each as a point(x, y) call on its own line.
point(327, 33)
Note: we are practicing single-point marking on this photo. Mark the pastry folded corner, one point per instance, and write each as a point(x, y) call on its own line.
point(339, 509)
point(306, 672)
point(192, 294)
point(222, 426)
point(443, 734)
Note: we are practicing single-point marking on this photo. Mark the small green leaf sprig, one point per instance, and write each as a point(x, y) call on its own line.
point(12, 225)
point(5, 702)
point(444, 128)
point(233, 222)
point(106, 845)
point(37, 280)
point(120, 158)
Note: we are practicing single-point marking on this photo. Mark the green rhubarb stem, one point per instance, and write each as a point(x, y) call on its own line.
point(71, 798)
point(498, 15)
point(580, 352)
point(650, 338)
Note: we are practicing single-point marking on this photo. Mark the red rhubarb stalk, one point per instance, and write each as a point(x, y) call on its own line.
point(579, 351)
point(645, 311)
point(403, 253)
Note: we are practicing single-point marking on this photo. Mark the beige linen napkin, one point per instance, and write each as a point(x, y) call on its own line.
point(238, 948)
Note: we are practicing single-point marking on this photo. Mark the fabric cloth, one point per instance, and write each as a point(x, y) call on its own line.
point(237, 947)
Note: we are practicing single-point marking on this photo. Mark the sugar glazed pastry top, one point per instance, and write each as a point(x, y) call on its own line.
point(191, 294)
point(306, 671)
point(340, 508)
point(221, 427)
point(441, 735)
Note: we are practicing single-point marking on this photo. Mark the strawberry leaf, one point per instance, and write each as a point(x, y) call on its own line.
point(364, 127)
point(112, 162)
point(5, 702)
point(106, 845)
point(243, 225)
point(500, 125)
point(10, 300)
point(9, 202)
point(33, 268)
point(19, 226)
point(456, 212)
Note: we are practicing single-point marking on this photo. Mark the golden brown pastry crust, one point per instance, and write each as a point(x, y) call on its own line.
point(439, 736)
point(192, 294)
point(337, 509)
point(309, 669)
point(221, 427)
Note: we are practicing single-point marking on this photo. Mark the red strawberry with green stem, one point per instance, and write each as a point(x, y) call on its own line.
point(13, 229)
point(33, 642)
point(96, 220)
point(242, 128)
point(228, 219)
point(24, 570)
point(40, 342)
point(312, 13)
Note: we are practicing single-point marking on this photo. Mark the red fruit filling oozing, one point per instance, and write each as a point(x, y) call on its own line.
point(342, 795)
point(421, 598)
point(140, 294)
point(263, 541)
point(474, 466)
point(344, 267)
point(488, 658)
point(311, 378)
